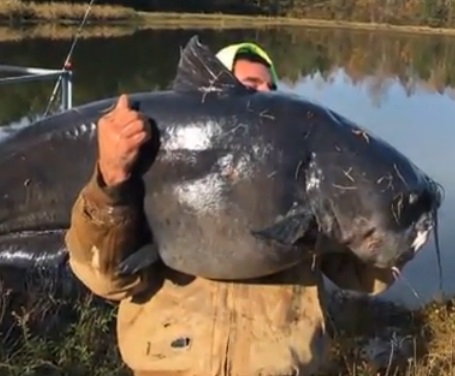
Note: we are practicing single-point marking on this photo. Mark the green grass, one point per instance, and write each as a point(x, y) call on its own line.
point(43, 336)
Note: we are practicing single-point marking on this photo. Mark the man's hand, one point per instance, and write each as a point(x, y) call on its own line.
point(121, 132)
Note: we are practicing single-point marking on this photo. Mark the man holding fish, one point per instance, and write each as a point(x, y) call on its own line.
point(168, 326)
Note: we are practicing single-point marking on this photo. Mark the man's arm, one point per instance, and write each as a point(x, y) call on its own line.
point(107, 224)
point(107, 219)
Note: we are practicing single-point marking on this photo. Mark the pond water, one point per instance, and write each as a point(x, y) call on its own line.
point(399, 86)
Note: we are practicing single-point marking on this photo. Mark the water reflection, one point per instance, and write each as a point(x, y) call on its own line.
point(399, 86)
point(147, 60)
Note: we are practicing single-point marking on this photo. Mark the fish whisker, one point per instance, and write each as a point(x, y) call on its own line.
point(397, 275)
point(438, 252)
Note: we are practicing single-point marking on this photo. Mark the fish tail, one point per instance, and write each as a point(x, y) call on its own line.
point(31, 250)
point(36, 261)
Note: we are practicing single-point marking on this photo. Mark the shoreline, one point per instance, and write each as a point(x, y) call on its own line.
point(187, 20)
point(65, 29)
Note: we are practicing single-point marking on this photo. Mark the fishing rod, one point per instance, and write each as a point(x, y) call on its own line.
point(67, 63)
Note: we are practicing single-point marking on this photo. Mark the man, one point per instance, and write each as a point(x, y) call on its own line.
point(169, 325)
point(251, 65)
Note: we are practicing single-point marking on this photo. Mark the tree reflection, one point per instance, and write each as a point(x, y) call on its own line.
point(147, 60)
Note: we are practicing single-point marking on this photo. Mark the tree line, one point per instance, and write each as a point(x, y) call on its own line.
point(435, 13)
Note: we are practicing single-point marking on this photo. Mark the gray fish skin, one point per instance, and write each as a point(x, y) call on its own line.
point(217, 177)
point(367, 196)
point(242, 183)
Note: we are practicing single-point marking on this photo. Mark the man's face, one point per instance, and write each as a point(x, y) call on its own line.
point(254, 75)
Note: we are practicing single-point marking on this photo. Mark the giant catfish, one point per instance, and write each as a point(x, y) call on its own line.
point(242, 184)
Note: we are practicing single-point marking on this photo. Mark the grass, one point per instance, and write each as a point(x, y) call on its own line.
point(82, 347)
point(43, 332)
point(439, 332)
point(19, 11)
point(410, 343)
point(46, 16)
point(40, 335)
point(190, 20)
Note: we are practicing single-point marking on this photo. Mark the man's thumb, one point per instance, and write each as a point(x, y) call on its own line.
point(122, 102)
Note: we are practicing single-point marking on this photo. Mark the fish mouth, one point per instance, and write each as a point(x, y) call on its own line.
point(385, 248)
point(379, 246)
point(412, 241)
point(337, 259)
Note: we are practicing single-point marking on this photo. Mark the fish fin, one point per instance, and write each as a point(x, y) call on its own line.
point(288, 230)
point(200, 70)
point(139, 260)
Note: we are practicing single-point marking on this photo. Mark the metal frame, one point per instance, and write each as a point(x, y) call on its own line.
point(29, 74)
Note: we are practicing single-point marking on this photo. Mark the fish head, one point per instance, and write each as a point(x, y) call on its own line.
point(371, 200)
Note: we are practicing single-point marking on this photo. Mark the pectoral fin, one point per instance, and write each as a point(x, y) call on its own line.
point(141, 259)
point(288, 230)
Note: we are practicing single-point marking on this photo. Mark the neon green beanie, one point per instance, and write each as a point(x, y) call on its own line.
point(227, 56)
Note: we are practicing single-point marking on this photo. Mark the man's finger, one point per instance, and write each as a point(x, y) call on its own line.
point(135, 141)
point(131, 147)
point(123, 119)
point(140, 138)
point(134, 127)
